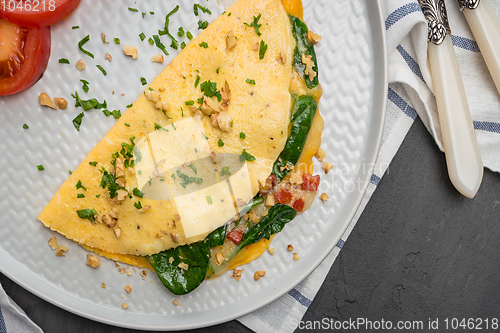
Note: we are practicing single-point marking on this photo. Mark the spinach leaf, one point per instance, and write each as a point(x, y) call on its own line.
point(299, 30)
point(272, 223)
point(178, 280)
point(303, 113)
point(217, 236)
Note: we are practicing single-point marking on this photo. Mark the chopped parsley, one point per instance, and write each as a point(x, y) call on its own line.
point(75, 27)
point(197, 81)
point(133, 9)
point(220, 143)
point(246, 156)
point(88, 104)
point(217, 70)
point(117, 40)
point(115, 113)
point(262, 50)
point(87, 214)
point(70, 172)
point(143, 15)
point(78, 121)
point(63, 61)
point(127, 124)
point(255, 24)
point(142, 36)
point(204, 45)
point(191, 102)
point(203, 9)
point(80, 195)
point(181, 32)
point(152, 13)
point(225, 171)
point(159, 44)
point(102, 70)
point(209, 199)
point(202, 25)
point(175, 43)
point(82, 42)
point(25, 126)
point(85, 86)
point(138, 205)
point(189, 35)
point(79, 186)
point(40, 167)
point(186, 180)
point(129, 106)
point(138, 193)
point(143, 81)
point(158, 126)
point(94, 163)
point(183, 45)
point(151, 41)
point(209, 89)
point(250, 81)
point(242, 135)
point(193, 168)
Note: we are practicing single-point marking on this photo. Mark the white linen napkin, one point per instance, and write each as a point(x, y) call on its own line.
point(410, 95)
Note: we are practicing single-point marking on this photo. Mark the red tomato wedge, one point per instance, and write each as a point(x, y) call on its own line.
point(36, 13)
point(24, 54)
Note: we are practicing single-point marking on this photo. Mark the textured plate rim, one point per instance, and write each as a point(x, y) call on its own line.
point(379, 101)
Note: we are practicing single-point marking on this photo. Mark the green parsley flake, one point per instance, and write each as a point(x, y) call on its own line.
point(138, 193)
point(87, 214)
point(197, 81)
point(133, 9)
point(80, 186)
point(204, 45)
point(152, 13)
point(127, 124)
point(203, 9)
point(25, 126)
point(142, 36)
point(75, 27)
point(129, 106)
point(193, 168)
point(40, 167)
point(209, 199)
point(94, 163)
point(220, 143)
point(138, 205)
point(191, 102)
point(82, 42)
point(183, 45)
point(159, 44)
point(85, 86)
point(102, 70)
point(225, 171)
point(262, 50)
point(70, 172)
point(80, 195)
point(63, 61)
point(242, 135)
point(250, 81)
point(143, 15)
point(117, 40)
point(245, 156)
point(78, 121)
point(255, 24)
point(88, 104)
point(181, 32)
point(189, 35)
point(143, 81)
point(202, 25)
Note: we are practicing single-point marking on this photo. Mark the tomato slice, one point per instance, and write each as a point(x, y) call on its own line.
point(24, 54)
point(36, 13)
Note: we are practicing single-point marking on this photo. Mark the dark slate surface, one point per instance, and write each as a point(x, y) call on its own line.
point(420, 250)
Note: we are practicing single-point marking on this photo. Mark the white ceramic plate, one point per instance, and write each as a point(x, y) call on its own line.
point(352, 72)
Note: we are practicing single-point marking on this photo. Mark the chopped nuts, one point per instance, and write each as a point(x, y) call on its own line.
point(296, 178)
point(121, 182)
point(209, 106)
point(60, 251)
point(226, 96)
point(213, 118)
point(122, 270)
point(253, 217)
point(109, 220)
point(184, 266)
point(103, 285)
point(271, 250)
point(327, 167)
point(270, 200)
point(290, 247)
point(237, 273)
point(295, 256)
point(175, 237)
point(118, 231)
point(175, 302)
point(121, 195)
point(157, 58)
point(93, 261)
point(282, 57)
point(258, 275)
point(320, 154)
point(128, 288)
point(53, 242)
point(144, 273)
point(245, 217)
point(108, 57)
point(124, 306)
point(230, 40)
point(130, 51)
point(120, 169)
point(324, 197)
point(312, 38)
point(144, 209)
point(61, 103)
point(255, 47)
point(103, 38)
point(45, 100)
point(224, 120)
point(219, 258)
point(80, 65)
point(309, 71)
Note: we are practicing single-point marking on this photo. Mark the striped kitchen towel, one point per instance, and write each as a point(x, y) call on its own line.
point(12, 317)
point(410, 94)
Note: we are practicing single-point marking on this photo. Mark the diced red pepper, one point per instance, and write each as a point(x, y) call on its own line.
point(235, 236)
point(283, 196)
point(310, 183)
point(298, 205)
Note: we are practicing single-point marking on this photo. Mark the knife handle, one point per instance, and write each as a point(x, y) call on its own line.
point(463, 158)
point(486, 29)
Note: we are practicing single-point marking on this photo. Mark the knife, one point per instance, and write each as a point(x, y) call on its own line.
point(486, 29)
point(465, 165)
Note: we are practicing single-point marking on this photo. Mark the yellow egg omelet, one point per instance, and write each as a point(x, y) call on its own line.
point(223, 94)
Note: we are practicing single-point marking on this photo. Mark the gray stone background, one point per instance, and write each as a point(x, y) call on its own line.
point(420, 250)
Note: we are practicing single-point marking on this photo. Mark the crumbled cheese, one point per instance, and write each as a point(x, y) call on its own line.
point(129, 273)
point(312, 38)
point(157, 58)
point(128, 288)
point(320, 154)
point(309, 71)
point(45, 100)
point(324, 197)
point(327, 167)
point(255, 47)
point(237, 273)
point(93, 261)
point(61, 103)
point(226, 96)
point(80, 65)
point(60, 250)
point(258, 275)
point(53, 242)
point(290, 247)
point(152, 95)
point(130, 51)
point(230, 40)
point(245, 217)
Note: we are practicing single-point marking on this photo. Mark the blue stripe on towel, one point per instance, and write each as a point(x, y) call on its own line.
point(487, 126)
point(375, 179)
point(465, 43)
point(400, 103)
point(401, 12)
point(415, 68)
point(340, 243)
point(3, 328)
point(300, 298)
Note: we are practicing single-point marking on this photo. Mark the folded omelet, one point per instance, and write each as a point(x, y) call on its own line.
point(226, 94)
